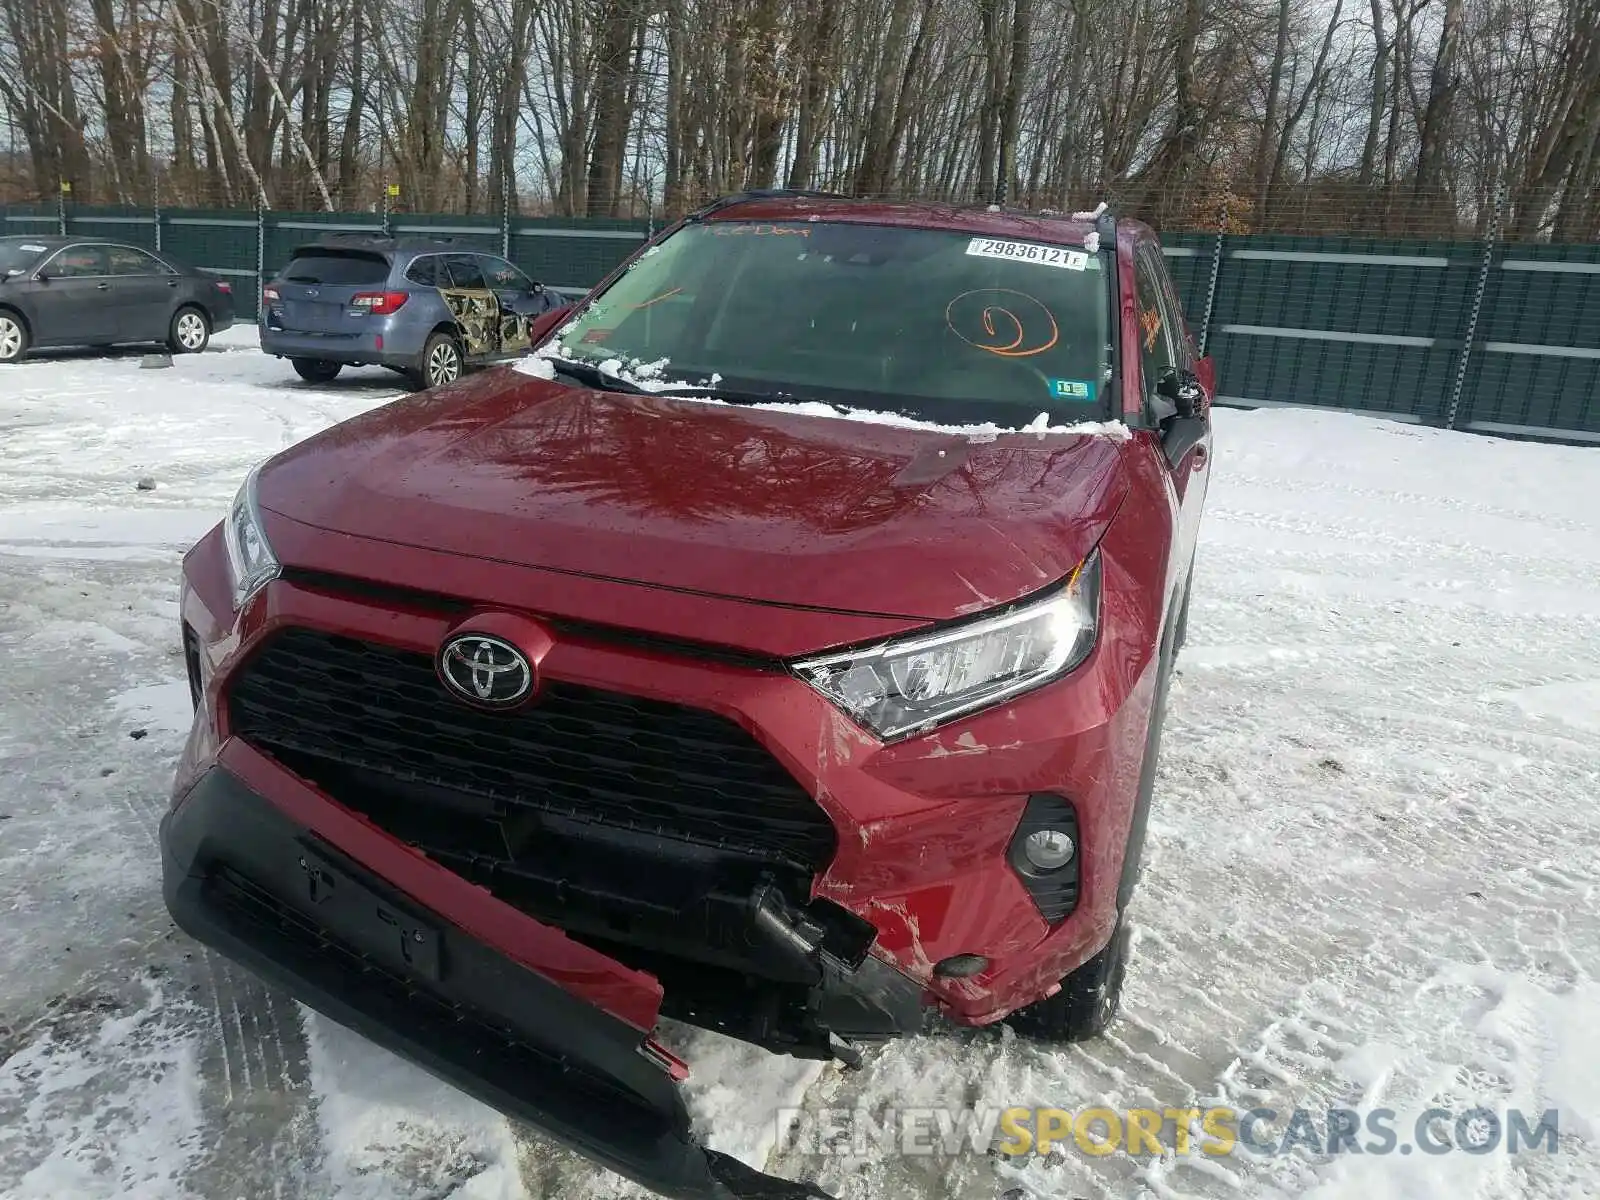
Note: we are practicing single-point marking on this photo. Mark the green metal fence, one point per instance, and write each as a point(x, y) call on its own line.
point(1471, 335)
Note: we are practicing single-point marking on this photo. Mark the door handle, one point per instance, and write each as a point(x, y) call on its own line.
point(172, 283)
point(102, 287)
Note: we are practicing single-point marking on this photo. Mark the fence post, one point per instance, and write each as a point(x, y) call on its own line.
point(1211, 285)
point(61, 207)
point(261, 252)
point(1490, 238)
point(505, 217)
point(157, 217)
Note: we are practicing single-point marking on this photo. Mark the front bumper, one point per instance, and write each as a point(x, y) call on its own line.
point(923, 825)
point(244, 877)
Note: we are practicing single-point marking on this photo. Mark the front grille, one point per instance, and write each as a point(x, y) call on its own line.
point(318, 700)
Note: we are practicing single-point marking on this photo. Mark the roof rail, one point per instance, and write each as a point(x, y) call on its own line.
point(1105, 223)
point(348, 239)
point(733, 198)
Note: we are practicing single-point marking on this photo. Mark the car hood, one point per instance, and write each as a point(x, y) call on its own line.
point(776, 506)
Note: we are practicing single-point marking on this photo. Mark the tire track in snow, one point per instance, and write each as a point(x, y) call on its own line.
point(252, 1071)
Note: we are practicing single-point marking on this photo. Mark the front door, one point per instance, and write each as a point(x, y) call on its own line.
point(72, 298)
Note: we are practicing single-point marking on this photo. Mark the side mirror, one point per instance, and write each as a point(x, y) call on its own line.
point(547, 323)
point(1182, 388)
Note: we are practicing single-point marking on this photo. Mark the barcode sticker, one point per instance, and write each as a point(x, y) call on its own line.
point(1029, 252)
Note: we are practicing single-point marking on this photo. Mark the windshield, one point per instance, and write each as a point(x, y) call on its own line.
point(940, 326)
point(17, 255)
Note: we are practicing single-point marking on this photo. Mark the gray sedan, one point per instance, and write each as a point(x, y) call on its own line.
point(65, 291)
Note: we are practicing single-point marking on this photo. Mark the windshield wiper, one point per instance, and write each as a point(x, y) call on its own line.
point(738, 396)
point(592, 376)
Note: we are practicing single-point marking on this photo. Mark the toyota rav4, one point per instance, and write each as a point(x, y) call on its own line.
point(781, 647)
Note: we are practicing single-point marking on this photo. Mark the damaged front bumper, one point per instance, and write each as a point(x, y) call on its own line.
point(251, 877)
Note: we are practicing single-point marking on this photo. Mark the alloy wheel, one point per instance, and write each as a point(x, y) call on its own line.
point(444, 364)
point(191, 331)
point(10, 339)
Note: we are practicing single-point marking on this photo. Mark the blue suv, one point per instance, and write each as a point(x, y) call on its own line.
point(427, 309)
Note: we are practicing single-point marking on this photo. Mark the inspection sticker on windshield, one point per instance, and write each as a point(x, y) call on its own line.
point(1044, 256)
point(1072, 389)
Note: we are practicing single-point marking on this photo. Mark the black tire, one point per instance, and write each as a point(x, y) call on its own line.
point(441, 361)
point(14, 337)
point(1087, 1002)
point(1181, 634)
point(190, 331)
point(316, 370)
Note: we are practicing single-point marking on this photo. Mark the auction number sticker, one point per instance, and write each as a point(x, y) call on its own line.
point(1044, 256)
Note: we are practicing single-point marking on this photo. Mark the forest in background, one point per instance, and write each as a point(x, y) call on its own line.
point(1404, 117)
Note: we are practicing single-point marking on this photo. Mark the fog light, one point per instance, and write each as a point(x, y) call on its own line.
point(1048, 849)
point(1044, 854)
point(960, 966)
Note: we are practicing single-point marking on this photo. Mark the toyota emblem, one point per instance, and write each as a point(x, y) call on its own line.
point(485, 670)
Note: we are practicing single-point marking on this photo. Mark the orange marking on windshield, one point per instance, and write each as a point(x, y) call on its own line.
point(957, 314)
point(732, 230)
point(657, 299)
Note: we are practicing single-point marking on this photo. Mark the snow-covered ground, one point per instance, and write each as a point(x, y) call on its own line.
point(1373, 879)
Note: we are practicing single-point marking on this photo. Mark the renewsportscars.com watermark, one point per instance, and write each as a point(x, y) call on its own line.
point(1217, 1132)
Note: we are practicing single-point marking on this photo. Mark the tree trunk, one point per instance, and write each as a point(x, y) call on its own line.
point(611, 115)
point(1435, 128)
point(1011, 106)
point(818, 76)
point(1266, 144)
point(1381, 49)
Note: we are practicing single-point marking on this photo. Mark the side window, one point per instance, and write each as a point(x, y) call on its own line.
point(464, 271)
point(1156, 355)
point(1183, 348)
point(129, 260)
point(503, 277)
point(425, 271)
point(78, 262)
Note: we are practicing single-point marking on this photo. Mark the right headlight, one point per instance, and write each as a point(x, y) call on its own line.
point(251, 561)
point(915, 683)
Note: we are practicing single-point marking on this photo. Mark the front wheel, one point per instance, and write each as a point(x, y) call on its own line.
point(13, 338)
point(190, 332)
point(1181, 634)
point(315, 370)
point(1088, 1000)
point(441, 361)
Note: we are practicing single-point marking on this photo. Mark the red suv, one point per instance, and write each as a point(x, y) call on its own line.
point(781, 648)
